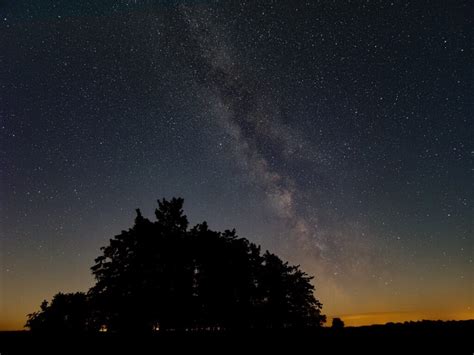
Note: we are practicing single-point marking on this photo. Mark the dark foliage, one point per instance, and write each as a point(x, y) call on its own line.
point(337, 323)
point(163, 275)
point(67, 313)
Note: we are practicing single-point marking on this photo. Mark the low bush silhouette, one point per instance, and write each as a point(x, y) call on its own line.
point(337, 323)
point(66, 313)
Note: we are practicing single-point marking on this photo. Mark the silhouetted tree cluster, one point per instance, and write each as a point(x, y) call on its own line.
point(163, 275)
point(337, 323)
point(66, 313)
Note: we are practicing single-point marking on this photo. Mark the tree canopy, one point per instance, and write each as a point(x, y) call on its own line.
point(66, 313)
point(164, 275)
point(337, 323)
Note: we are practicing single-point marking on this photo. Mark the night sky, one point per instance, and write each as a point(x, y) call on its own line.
point(336, 134)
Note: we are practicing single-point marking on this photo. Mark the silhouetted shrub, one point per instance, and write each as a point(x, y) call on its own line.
point(337, 323)
point(67, 313)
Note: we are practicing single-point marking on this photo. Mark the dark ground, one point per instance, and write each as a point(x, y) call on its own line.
point(408, 338)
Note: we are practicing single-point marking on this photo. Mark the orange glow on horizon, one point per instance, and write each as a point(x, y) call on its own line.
point(362, 319)
point(352, 320)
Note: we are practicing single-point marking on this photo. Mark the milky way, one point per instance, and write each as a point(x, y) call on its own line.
point(247, 111)
point(337, 135)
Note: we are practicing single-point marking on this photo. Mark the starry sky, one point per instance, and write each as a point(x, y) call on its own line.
point(337, 134)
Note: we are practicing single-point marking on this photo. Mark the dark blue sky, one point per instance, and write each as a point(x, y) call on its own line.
point(336, 134)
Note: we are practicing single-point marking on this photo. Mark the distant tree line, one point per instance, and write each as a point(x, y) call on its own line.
point(162, 275)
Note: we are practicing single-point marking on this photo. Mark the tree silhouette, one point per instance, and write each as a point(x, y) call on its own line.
point(337, 323)
point(66, 313)
point(163, 275)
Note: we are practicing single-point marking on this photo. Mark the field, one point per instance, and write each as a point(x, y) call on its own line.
point(420, 337)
